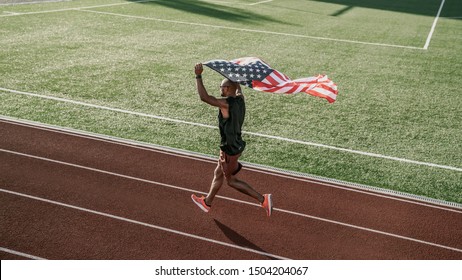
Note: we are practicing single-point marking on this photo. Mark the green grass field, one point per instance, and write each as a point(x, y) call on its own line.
point(399, 88)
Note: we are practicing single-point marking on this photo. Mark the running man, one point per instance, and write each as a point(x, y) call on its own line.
point(231, 116)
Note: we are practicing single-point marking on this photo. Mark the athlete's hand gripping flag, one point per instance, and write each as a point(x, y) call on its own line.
point(256, 74)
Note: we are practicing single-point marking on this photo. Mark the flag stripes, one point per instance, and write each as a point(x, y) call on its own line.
point(256, 74)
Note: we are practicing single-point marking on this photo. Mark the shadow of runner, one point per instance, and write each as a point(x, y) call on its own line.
point(417, 7)
point(238, 239)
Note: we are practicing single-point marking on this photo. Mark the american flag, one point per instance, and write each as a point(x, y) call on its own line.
point(255, 73)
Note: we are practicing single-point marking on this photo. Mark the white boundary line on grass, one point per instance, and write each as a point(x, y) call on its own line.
point(86, 9)
point(13, 252)
point(250, 30)
point(303, 177)
point(307, 143)
point(158, 227)
point(77, 8)
point(10, 13)
point(34, 2)
point(430, 35)
point(234, 3)
point(222, 197)
point(260, 2)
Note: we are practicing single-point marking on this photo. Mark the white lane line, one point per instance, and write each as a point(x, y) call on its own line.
point(13, 252)
point(374, 231)
point(368, 190)
point(328, 182)
point(307, 143)
point(232, 199)
point(430, 35)
point(145, 224)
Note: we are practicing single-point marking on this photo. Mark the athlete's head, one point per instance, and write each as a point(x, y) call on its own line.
point(227, 88)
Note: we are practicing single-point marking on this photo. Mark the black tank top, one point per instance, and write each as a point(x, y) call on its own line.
point(230, 128)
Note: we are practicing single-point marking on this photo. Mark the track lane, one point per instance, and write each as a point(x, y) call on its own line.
point(224, 212)
point(59, 232)
point(325, 240)
point(332, 243)
point(299, 196)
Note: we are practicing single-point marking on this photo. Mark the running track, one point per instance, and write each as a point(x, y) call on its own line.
point(65, 195)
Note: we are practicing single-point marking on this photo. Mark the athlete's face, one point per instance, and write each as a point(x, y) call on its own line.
point(226, 88)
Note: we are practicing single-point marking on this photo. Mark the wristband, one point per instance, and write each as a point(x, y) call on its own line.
point(199, 76)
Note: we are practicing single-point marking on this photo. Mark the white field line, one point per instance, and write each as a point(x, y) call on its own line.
point(260, 2)
point(34, 2)
point(77, 8)
point(368, 190)
point(86, 9)
point(10, 13)
point(233, 2)
point(249, 30)
point(428, 164)
point(219, 2)
point(223, 197)
point(13, 252)
point(430, 35)
point(107, 108)
point(145, 224)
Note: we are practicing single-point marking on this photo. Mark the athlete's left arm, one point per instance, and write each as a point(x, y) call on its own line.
point(203, 94)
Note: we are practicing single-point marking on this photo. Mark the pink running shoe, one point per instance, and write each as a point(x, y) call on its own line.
point(268, 204)
point(200, 201)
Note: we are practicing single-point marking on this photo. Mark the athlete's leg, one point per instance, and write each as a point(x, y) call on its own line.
point(244, 188)
point(231, 167)
point(217, 182)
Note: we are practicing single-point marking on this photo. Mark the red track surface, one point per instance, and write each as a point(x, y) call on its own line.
point(70, 196)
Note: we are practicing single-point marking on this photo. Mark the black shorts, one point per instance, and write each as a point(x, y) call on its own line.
point(229, 164)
